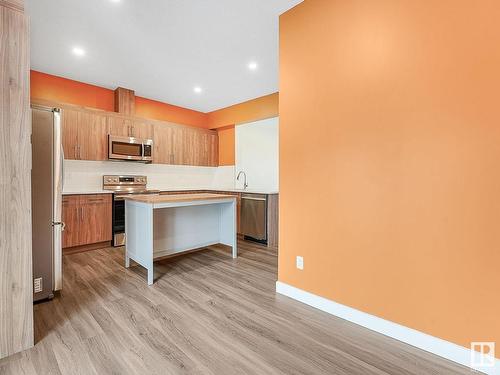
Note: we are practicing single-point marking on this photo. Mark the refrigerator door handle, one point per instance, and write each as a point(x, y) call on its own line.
point(58, 181)
point(62, 168)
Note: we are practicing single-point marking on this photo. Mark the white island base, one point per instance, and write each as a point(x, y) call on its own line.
point(161, 225)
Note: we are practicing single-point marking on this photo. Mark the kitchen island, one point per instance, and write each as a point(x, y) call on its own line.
point(161, 225)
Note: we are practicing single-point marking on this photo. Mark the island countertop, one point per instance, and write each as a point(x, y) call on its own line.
point(157, 199)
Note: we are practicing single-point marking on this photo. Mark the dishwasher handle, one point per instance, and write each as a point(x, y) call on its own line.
point(253, 198)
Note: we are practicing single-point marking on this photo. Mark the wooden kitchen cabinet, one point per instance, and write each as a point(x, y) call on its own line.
point(162, 146)
point(180, 145)
point(130, 127)
point(92, 136)
point(120, 126)
point(84, 135)
point(142, 129)
point(71, 219)
point(213, 149)
point(96, 218)
point(87, 219)
point(69, 125)
point(199, 147)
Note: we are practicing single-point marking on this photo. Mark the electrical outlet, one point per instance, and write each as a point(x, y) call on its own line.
point(37, 285)
point(300, 263)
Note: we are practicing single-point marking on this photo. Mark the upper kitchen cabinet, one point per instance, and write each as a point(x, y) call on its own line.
point(213, 149)
point(162, 146)
point(182, 145)
point(84, 135)
point(169, 146)
point(69, 121)
point(92, 136)
point(202, 147)
point(142, 129)
point(120, 126)
point(130, 127)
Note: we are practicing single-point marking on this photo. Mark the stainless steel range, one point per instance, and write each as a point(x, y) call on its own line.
point(122, 186)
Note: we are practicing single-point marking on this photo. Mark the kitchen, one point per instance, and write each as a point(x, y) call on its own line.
point(254, 187)
point(109, 156)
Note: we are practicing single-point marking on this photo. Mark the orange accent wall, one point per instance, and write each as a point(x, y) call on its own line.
point(50, 87)
point(226, 118)
point(153, 109)
point(390, 160)
point(226, 145)
point(252, 110)
point(58, 89)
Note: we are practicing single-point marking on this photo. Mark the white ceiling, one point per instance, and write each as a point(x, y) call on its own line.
point(162, 49)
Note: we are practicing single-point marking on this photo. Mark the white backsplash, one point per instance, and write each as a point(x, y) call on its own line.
point(85, 176)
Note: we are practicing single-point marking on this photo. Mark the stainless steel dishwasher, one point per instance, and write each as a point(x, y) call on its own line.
point(254, 217)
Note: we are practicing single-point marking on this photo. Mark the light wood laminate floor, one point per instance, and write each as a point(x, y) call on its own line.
point(206, 314)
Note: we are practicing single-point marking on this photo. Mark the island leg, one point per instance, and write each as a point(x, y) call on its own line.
point(150, 274)
point(139, 235)
point(229, 226)
point(235, 229)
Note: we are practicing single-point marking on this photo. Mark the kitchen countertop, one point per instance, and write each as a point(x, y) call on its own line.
point(232, 190)
point(87, 192)
point(155, 199)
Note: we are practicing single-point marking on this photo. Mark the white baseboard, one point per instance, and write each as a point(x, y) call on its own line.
point(434, 345)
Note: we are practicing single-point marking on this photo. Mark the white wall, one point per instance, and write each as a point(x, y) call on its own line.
point(86, 176)
point(257, 154)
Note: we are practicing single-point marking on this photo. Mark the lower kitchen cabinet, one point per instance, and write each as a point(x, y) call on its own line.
point(87, 218)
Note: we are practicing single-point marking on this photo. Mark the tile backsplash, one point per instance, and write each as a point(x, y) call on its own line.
point(82, 176)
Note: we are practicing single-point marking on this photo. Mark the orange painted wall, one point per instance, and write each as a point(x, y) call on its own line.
point(58, 89)
point(153, 109)
point(49, 87)
point(226, 145)
point(226, 118)
point(252, 110)
point(390, 160)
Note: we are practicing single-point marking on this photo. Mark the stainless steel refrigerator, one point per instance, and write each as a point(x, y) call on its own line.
point(46, 195)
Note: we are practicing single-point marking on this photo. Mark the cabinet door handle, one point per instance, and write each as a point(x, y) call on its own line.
point(81, 214)
point(76, 154)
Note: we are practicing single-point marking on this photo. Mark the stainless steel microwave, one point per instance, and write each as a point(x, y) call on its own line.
point(130, 148)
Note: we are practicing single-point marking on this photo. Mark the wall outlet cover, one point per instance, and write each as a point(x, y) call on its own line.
point(300, 263)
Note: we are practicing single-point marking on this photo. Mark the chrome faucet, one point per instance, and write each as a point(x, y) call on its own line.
point(245, 185)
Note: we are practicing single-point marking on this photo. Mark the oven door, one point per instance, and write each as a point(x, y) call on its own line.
point(125, 148)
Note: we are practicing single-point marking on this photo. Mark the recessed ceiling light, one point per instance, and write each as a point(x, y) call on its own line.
point(78, 51)
point(198, 89)
point(253, 65)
